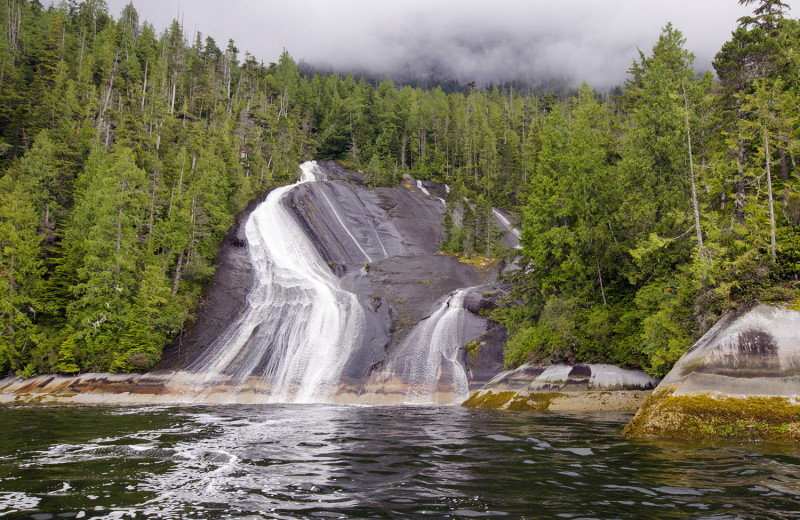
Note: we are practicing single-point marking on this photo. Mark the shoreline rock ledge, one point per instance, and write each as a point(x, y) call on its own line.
point(565, 388)
point(740, 381)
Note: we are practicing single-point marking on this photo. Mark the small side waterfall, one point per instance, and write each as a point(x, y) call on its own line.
point(508, 227)
point(426, 362)
point(292, 335)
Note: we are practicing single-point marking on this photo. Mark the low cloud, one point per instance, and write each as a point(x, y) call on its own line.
point(469, 40)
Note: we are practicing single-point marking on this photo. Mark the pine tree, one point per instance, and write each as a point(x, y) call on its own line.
point(20, 274)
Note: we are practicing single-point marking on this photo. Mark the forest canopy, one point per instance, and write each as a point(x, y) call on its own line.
point(125, 154)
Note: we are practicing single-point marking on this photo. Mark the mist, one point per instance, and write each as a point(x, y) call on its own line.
point(467, 40)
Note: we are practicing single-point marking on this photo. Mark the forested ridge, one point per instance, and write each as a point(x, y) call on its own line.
point(645, 215)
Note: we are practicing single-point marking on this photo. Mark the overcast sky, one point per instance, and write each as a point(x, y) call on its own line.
point(480, 40)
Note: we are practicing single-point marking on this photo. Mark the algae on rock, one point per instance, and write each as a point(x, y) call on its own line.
point(714, 417)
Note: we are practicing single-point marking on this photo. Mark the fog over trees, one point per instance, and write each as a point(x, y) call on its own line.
point(542, 43)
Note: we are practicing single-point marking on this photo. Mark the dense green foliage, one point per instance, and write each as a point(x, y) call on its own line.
point(645, 223)
point(125, 155)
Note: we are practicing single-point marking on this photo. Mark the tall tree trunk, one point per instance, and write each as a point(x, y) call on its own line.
point(740, 181)
point(144, 87)
point(691, 174)
point(600, 277)
point(403, 144)
point(11, 289)
point(784, 164)
point(152, 206)
point(178, 267)
point(119, 219)
point(80, 60)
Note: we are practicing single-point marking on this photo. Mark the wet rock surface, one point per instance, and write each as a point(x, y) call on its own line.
point(585, 387)
point(583, 377)
point(755, 351)
point(382, 243)
point(740, 380)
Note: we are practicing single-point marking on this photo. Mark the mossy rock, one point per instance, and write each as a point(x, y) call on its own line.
point(716, 417)
point(488, 400)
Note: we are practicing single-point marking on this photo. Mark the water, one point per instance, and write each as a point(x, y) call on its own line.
point(291, 336)
point(422, 188)
point(507, 226)
point(326, 461)
point(427, 359)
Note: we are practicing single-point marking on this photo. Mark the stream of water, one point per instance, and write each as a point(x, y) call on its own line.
point(292, 334)
point(326, 461)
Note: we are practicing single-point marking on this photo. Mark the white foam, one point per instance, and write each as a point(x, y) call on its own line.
point(422, 188)
point(293, 330)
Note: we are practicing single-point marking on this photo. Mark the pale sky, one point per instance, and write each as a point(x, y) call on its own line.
point(481, 40)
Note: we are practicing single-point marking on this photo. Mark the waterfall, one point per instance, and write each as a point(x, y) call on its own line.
point(426, 362)
point(422, 188)
point(298, 327)
point(509, 227)
point(316, 326)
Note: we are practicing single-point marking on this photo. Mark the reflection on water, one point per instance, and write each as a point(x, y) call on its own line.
point(298, 461)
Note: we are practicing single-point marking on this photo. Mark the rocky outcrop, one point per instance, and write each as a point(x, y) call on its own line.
point(590, 387)
point(741, 380)
point(381, 246)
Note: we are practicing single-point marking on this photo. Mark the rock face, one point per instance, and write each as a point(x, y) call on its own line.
point(741, 380)
point(380, 245)
point(593, 387)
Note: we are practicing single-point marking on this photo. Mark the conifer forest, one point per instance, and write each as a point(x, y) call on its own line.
point(646, 212)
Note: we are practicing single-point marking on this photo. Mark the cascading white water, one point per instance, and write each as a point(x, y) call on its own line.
point(428, 356)
point(509, 227)
point(299, 326)
point(347, 229)
point(422, 188)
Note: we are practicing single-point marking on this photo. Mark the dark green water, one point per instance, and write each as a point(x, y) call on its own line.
point(318, 461)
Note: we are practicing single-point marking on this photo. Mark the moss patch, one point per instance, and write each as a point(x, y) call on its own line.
point(485, 264)
point(539, 402)
point(488, 400)
point(510, 400)
point(473, 348)
point(716, 417)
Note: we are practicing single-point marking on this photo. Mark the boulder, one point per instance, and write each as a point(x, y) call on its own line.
point(590, 387)
point(741, 381)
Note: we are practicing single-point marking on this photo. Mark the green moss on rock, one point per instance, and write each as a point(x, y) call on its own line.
point(488, 400)
point(716, 417)
point(538, 402)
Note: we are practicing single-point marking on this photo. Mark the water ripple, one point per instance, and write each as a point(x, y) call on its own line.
point(290, 461)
